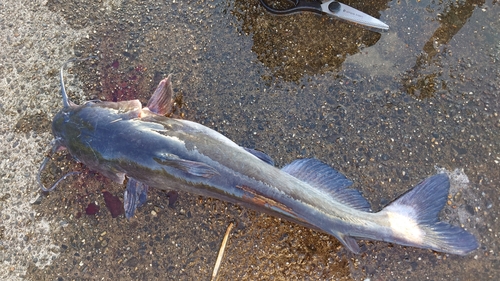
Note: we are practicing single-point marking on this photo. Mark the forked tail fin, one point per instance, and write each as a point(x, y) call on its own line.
point(413, 219)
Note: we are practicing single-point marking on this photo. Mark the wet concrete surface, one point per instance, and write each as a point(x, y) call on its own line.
point(387, 110)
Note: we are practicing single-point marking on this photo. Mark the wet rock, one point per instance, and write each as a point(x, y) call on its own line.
point(132, 262)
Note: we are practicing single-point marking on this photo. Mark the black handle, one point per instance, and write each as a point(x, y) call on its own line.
point(299, 6)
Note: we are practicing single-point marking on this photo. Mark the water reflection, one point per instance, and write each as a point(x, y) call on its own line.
point(294, 45)
point(424, 85)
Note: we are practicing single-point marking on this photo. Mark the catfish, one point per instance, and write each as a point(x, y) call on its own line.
point(126, 140)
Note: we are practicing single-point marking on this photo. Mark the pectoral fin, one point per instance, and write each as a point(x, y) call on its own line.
point(193, 168)
point(135, 196)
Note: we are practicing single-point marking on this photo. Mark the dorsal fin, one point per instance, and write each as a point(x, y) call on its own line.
point(161, 101)
point(324, 177)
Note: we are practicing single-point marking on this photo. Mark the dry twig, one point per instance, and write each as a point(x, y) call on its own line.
point(221, 252)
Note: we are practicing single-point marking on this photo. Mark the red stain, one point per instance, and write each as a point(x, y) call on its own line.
point(172, 197)
point(92, 209)
point(113, 203)
point(122, 81)
point(115, 64)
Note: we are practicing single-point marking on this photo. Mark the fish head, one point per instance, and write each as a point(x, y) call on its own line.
point(70, 124)
point(73, 122)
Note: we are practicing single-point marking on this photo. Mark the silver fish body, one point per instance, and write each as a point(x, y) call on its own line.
point(123, 139)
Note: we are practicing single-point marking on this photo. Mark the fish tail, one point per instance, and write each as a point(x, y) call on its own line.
point(413, 219)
